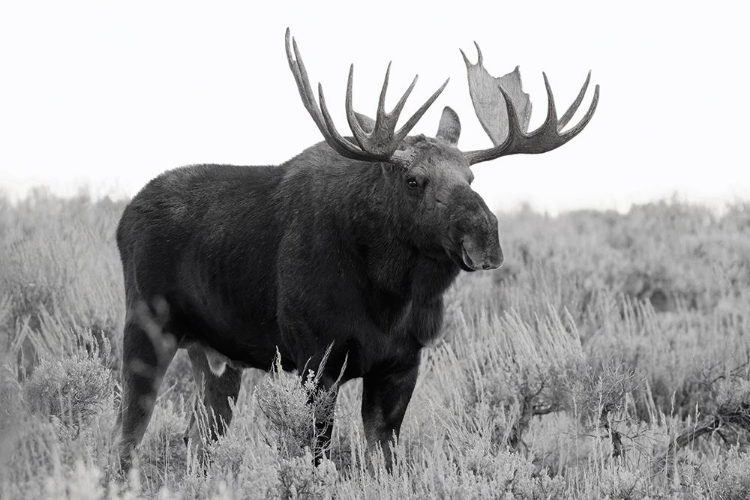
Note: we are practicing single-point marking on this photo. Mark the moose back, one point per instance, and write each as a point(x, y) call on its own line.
point(345, 250)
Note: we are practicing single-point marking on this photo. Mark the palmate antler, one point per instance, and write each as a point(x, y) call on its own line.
point(379, 145)
point(506, 123)
point(501, 105)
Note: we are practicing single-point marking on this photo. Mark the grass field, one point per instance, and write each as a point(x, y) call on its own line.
point(608, 358)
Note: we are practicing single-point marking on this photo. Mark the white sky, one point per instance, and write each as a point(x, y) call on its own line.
point(109, 94)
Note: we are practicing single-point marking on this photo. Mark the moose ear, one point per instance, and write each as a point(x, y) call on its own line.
point(367, 123)
point(450, 127)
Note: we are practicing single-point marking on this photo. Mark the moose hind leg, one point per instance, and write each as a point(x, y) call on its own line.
point(219, 386)
point(147, 352)
point(385, 397)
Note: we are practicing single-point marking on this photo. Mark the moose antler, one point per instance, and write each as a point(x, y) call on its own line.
point(379, 145)
point(508, 133)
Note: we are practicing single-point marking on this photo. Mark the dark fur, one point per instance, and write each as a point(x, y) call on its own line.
point(316, 252)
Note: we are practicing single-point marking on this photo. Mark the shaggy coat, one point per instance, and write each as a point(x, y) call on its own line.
point(237, 263)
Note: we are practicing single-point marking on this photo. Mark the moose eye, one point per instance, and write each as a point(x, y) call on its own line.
point(412, 183)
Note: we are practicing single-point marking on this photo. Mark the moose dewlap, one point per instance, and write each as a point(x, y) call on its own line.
point(344, 250)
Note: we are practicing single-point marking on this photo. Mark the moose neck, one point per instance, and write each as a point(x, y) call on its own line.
point(379, 228)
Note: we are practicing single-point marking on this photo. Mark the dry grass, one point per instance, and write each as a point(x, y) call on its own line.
point(610, 358)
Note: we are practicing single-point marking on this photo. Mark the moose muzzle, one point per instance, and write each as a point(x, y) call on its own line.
point(475, 232)
point(481, 257)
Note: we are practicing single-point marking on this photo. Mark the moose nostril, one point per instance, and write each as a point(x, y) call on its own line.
point(486, 266)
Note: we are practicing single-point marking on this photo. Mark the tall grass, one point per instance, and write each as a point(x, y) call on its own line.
point(610, 357)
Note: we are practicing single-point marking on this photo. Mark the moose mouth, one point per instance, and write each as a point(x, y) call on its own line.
point(468, 263)
point(462, 259)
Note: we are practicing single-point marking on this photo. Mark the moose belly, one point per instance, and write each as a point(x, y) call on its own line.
point(228, 334)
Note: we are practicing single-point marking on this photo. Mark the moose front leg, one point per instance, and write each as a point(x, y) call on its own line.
point(385, 397)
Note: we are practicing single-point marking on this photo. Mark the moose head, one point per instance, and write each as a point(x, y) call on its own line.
point(433, 177)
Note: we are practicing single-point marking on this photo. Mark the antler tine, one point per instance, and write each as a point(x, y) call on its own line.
point(320, 116)
point(383, 140)
point(333, 138)
point(548, 137)
point(300, 77)
point(359, 133)
point(480, 58)
point(545, 138)
point(551, 121)
point(586, 118)
point(381, 115)
point(381, 144)
point(574, 107)
point(403, 131)
point(463, 54)
point(400, 104)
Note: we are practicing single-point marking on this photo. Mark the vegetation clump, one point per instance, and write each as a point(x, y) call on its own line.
point(609, 359)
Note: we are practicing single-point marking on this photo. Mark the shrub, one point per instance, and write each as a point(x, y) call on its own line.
point(663, 290)
point(249, 465)
point(509, 475)
point(619, 483)
point(599, 394)
point(70, 391)
point(516, 370)
point(733, 483)
point(300, 479)
point(298, 410)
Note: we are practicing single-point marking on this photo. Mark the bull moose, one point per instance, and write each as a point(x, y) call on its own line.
point(347, 247)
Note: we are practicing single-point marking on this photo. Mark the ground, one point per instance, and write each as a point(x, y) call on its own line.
point(609, 357)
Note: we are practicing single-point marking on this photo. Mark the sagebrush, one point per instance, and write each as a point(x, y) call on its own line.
point(609, 357)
